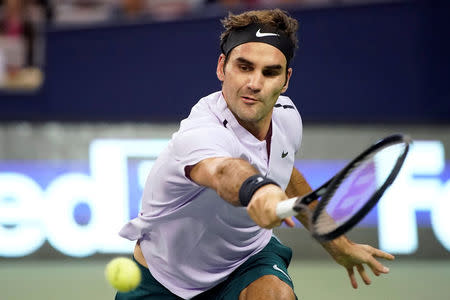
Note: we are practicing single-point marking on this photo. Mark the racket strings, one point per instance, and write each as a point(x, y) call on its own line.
point(357, 188)
point(324, 223)
point(341, 177)
point(349, 193)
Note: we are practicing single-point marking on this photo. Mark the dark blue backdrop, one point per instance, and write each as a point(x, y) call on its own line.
point(374, 63)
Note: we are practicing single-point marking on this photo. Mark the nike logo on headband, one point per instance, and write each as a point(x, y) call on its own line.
point(260, 34)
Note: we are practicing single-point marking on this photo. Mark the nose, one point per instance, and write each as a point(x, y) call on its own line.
point(255, 82)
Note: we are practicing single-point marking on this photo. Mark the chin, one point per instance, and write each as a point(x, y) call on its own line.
point(249, 118)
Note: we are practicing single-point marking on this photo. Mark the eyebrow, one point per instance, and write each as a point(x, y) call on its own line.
point(244, 61)
point(271, 67)
point(274, 67)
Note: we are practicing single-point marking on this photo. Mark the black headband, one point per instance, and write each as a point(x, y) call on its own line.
point(258, 33)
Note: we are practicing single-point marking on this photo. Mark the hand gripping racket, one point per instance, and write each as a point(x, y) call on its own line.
point(349, 195)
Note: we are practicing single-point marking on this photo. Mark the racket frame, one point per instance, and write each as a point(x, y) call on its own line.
point(336, 180)
point(293, 206)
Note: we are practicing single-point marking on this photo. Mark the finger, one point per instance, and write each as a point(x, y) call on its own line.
point(289, 222)
point(351, 275)
point(378, 253)
point(363, 274)
point(375, 271)
point(382, 254)
point(377, 267)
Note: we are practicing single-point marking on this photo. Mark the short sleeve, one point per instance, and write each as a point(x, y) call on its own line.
point(194, 145)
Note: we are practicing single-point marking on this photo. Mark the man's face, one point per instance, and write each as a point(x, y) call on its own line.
point(253, 78)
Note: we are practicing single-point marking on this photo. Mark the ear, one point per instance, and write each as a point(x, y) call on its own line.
point(288, 77)
point(220, 65)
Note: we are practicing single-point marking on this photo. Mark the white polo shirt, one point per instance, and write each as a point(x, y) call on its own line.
point(190, 237)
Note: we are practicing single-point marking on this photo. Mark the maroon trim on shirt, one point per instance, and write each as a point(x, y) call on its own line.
point(187, 172)
point(269, 140)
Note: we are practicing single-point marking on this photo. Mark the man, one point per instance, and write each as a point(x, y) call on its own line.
point(208, 208)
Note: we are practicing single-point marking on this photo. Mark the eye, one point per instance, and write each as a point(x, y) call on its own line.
point(271, 73)
point(245, 68)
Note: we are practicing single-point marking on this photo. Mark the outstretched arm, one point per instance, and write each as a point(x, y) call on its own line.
point(225, 175)
point(343, 251)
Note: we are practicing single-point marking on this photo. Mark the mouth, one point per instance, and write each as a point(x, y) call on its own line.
point(249, 100)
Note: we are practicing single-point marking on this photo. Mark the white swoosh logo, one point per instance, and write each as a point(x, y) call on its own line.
point(260, 34)
point(284, 273)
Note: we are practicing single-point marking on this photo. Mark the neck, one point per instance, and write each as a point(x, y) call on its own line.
point(259, 129)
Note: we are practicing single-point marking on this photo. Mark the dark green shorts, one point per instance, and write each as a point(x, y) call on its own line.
point(274, 259)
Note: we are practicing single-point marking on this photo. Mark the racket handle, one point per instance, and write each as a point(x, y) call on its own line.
point(285, 208)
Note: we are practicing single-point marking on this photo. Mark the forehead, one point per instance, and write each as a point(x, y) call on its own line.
point(259, 54)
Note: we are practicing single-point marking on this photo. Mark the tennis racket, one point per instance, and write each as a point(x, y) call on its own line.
point(349, 195)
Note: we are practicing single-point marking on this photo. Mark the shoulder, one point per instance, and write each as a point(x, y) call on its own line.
point(204, 132)
point(204, 120)
point(206, 104)
point(286, 106)
point(286, 112)
point(191, 146)
point(205, 139)
point(203, 113)
point(288, 118)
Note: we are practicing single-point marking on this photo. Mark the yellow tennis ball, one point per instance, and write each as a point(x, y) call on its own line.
point(123, 274)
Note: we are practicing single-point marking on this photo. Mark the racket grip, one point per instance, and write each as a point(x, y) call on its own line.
point(285, 208)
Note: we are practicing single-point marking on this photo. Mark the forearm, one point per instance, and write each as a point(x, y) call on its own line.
point(298, 186)
point(227, 175)
point(224, 175)
point(337, 246)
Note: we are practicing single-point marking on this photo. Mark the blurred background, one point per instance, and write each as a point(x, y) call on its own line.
point(91, 91)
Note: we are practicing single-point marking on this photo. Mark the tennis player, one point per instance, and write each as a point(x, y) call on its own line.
point(208, 207)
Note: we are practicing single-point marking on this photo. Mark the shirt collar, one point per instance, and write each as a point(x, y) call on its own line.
point(230, 121)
